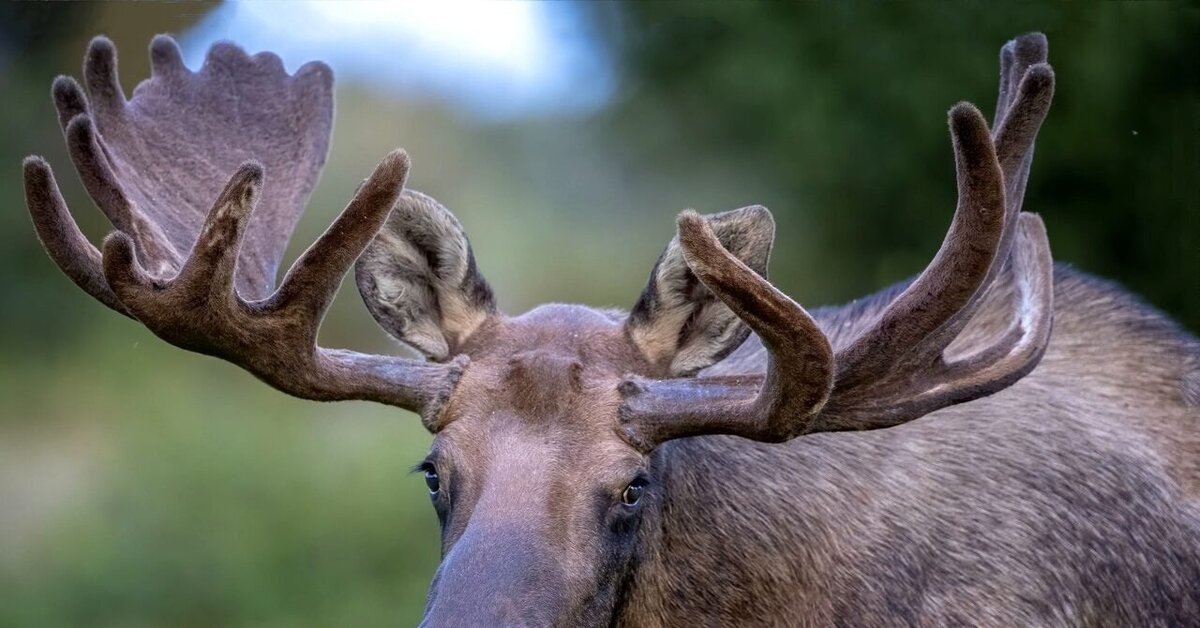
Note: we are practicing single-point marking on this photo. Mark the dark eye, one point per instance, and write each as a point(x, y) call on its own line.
point(633, 492)
point(431, 480)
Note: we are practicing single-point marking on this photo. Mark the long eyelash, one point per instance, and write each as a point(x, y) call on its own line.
point(424, 466)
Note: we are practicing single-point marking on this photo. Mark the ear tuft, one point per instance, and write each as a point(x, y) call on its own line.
point(679, 324)
point(419, 280)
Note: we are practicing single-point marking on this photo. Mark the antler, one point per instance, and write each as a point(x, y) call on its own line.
point(154, 163)
point(202, 278)
point(896, 370)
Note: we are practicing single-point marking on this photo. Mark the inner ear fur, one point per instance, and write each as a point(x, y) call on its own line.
point(419, 280)
point(677, 323)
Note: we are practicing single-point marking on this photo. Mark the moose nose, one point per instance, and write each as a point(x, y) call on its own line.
point(496, 577)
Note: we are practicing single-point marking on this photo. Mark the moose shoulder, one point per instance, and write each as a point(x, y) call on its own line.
point(714, 457)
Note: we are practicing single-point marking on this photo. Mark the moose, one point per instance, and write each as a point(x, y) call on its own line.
point(999, 441)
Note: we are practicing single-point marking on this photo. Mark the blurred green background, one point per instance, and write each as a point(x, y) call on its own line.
point(144, 486)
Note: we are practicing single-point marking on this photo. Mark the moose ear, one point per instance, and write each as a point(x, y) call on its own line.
point(418, 278)
point(679, 324)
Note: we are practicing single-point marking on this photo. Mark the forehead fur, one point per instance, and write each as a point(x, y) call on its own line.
point(555, 366)
point(595, 338)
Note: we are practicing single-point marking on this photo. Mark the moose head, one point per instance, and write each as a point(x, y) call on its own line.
point(548, 426)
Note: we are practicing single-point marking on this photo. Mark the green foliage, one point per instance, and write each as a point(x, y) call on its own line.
point(839, 109)
point(177, 507)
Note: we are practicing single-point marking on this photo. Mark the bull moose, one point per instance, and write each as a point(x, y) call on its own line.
point(715, 456)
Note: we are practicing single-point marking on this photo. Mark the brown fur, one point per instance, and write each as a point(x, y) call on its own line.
point(1033, 506)
point(1070, 499)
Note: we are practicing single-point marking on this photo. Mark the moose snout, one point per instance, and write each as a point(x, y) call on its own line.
point(496, 577)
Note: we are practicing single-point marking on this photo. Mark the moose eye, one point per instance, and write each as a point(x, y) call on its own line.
point(633, 493)
point(431, 480)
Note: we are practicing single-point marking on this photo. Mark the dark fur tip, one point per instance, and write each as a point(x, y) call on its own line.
point(101, 48)
point(100, 75)
point(386, 184)
point(68, 95)
point(396, 164)
point(251, 172)
point(1007, 53)
point(79, 129)
point(245, 183)
point(39, 183)
point(968, 124)
point(391, 173)
point(62, 83)
point(689, 218)
point(162, 39)
point(120, 261)
point(695, 231)
point(35, 165)
point(1038, 78)
point(165, 55)
point(1032, 47)
point(119, 245)
point(964, 112)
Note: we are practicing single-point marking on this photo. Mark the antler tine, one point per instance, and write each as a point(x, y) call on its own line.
point(1018, 350)
point(313, 280)
point(166, 59)
point(1023, 108)
point(101, 183)
point(1003, 95)
point(1027, 88)
point(1014, 151)
point(957, 272)
point(207, 275)
point(96, 170)
point(896, 370)
point(275, 338)
point(196, 309)
point(1016, 56)
point(61, 237)
point(1017, 132)
point(281, 120)
point(69, 100)
point(799, 372)
point(982, 373)
point(100, 75)
point(203, 280)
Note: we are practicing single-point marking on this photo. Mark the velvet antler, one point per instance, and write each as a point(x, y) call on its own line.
point(201, 274)
point(895, 370)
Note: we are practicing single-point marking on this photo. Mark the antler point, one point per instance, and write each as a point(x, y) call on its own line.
point(1039, 75)
point(34, 162)
point(690, 224)
point(100, 42)
point(964, 111)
